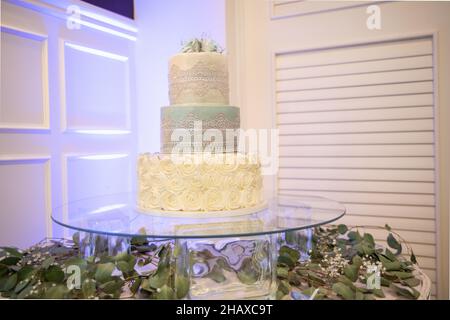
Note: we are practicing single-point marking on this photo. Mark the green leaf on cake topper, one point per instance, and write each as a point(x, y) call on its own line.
point(201, 45)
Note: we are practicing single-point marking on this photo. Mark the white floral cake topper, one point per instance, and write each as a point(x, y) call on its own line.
point(201, 45)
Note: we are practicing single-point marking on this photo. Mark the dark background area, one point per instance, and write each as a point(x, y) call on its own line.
point(123, 7)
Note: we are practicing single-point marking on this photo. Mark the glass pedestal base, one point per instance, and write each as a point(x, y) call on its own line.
point(230, 268)
point(220, 258)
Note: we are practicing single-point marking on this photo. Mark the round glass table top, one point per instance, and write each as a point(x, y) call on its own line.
point(117, 215)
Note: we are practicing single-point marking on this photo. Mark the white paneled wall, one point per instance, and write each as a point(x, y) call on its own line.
point(66, 117)
point(95, 106)
point(281, 9)
point(24, 66)
point(357, 125)
point(29, 219)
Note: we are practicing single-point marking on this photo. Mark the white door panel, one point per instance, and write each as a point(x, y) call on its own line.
point(25, 201)
point(24, 69)
point(67, 126)
point(96, 89)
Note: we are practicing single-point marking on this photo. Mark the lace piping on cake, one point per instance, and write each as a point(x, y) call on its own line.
point(200, 79)
point(219, 121)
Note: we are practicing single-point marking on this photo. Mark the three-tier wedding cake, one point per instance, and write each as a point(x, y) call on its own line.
point(180, 178)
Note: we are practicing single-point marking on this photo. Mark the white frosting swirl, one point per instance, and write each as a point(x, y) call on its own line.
point(152, 198)
point(233, 199)
point(214, 199)
point(187, 169)
point(170, 201)
point(175, 183)
point(167, 167)
point(192, 199)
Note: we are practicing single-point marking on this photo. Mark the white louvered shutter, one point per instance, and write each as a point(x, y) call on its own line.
point(357, 126)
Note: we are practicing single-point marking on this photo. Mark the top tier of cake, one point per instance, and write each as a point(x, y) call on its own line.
point(199, 78)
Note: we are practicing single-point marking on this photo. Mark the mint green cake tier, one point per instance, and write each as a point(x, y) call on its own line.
point(225, 119)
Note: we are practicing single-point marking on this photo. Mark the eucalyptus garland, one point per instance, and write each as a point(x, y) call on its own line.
point(339, 263)
point(333, 264)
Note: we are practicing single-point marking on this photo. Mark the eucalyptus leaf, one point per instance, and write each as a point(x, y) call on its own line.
point(8, 283)
point(406, 292)
point(3, 270)
point(383, 259)
point(385, 282)
point(139, 241)
point(398, 274)
point(342, 228)
point(113, 287)
point(315, 278)
point(159, 279)
point(26, 291)
point(135, 286)
point(369, 296)
point(48, 262)
point(357, 261)
point(25, 272)
point(75, 261)
point(76, 238)
point(124, 266)
point(11, 260)
point(122, 257)
point(88, 289)
point(379, 293)
point(394, 244)
point(359, 295)
point(221, 262)
point(282, 272)
point(280, 295)
point(392, 266)
point(286, 260)
point(411, 282)
point(413, 258)
point(165, 293)
point(292, 253)
point(343, 290)
point(284, 287)
point(248, 274)
point(104, 272)
point(369, 239)
point(351, 272)
point(57, 292)
point(290, 237)
point(346, 281)
point(145, 285)
point(294, 278)
point(354, 236)
point(13, 252)
point(182, 286)
point(54, 274)
point(145, 248)
point(21, 285)
point(364, 249)
point(390, 255)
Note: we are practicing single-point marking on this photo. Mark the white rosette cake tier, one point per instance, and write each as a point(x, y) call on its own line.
point(196, 187)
